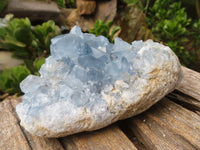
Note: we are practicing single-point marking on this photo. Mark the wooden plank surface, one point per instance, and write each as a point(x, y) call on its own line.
point(167, 125)
point(14, 137)
point(190, 85)
point(109, 138)
point(37, 143)
point(11, 134)
point(34, 10)
point(185, 100)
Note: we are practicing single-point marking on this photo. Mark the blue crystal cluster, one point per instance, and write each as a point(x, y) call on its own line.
point(87, 83)
point(80, 67)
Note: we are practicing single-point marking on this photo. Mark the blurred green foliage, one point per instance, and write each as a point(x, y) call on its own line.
point(43, 35)
point(131, 1)
point(38, 62)
point(142, 4)
point(102, 28)
point(169, 23)
point(195, 34)
point(26, 42)
point(196, 31)
point(66, 3)
point(61, 3)
point(32, 44)
point(10, 79)
point(17, 37)
point(3, 4)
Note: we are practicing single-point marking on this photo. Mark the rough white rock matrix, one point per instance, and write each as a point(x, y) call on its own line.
point(88, 83)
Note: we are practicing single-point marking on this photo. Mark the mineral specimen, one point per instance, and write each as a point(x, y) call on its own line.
point(88, 83)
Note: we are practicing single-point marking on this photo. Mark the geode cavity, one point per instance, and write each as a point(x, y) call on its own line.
point(88, 83)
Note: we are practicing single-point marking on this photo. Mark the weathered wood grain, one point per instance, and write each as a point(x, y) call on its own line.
point(14, 137)
point(190, 84)
point(184, 100)
point(11, 135)
point(198, 112)
point(109, 138)
point(167, 125)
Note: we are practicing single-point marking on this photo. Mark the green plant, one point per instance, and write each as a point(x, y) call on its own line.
point(37, 64)
point(66, 3)
point(102, 28)
point(159, 12)
point(17, 37)
point(28, 43)
point(169, 23)
point(136, 2)
point(32, 44)
point(10, 79)
point(3, 4)
point(43, 34)
point(142, 4)
point(61, 3)
point(196, 31)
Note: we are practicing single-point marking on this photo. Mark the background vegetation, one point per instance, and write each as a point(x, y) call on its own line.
point(173, 22)
point(32, 44)
point(170, 24)
point(102, 28)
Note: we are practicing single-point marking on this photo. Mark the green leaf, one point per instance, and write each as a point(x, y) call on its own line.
point(38, 63)
point(29, 64)
point(23, 35)
point(11, 78)
point(169, 23)
point(61, 3)
point(44, 33)
point(26, 42)
point(2, 32)
point(115, 30)
point(30, 44)
point(102, 28)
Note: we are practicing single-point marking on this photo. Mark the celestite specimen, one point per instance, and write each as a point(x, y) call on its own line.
point(88, 83)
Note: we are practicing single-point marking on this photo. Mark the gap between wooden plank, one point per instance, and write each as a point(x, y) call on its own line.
point(167, 125)
point(184, 100)
point(109, 138)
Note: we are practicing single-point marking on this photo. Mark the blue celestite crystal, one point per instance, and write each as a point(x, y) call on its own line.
point(81, 61)
point(87, 83)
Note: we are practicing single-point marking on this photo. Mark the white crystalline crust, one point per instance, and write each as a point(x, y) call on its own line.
point(88, 83)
